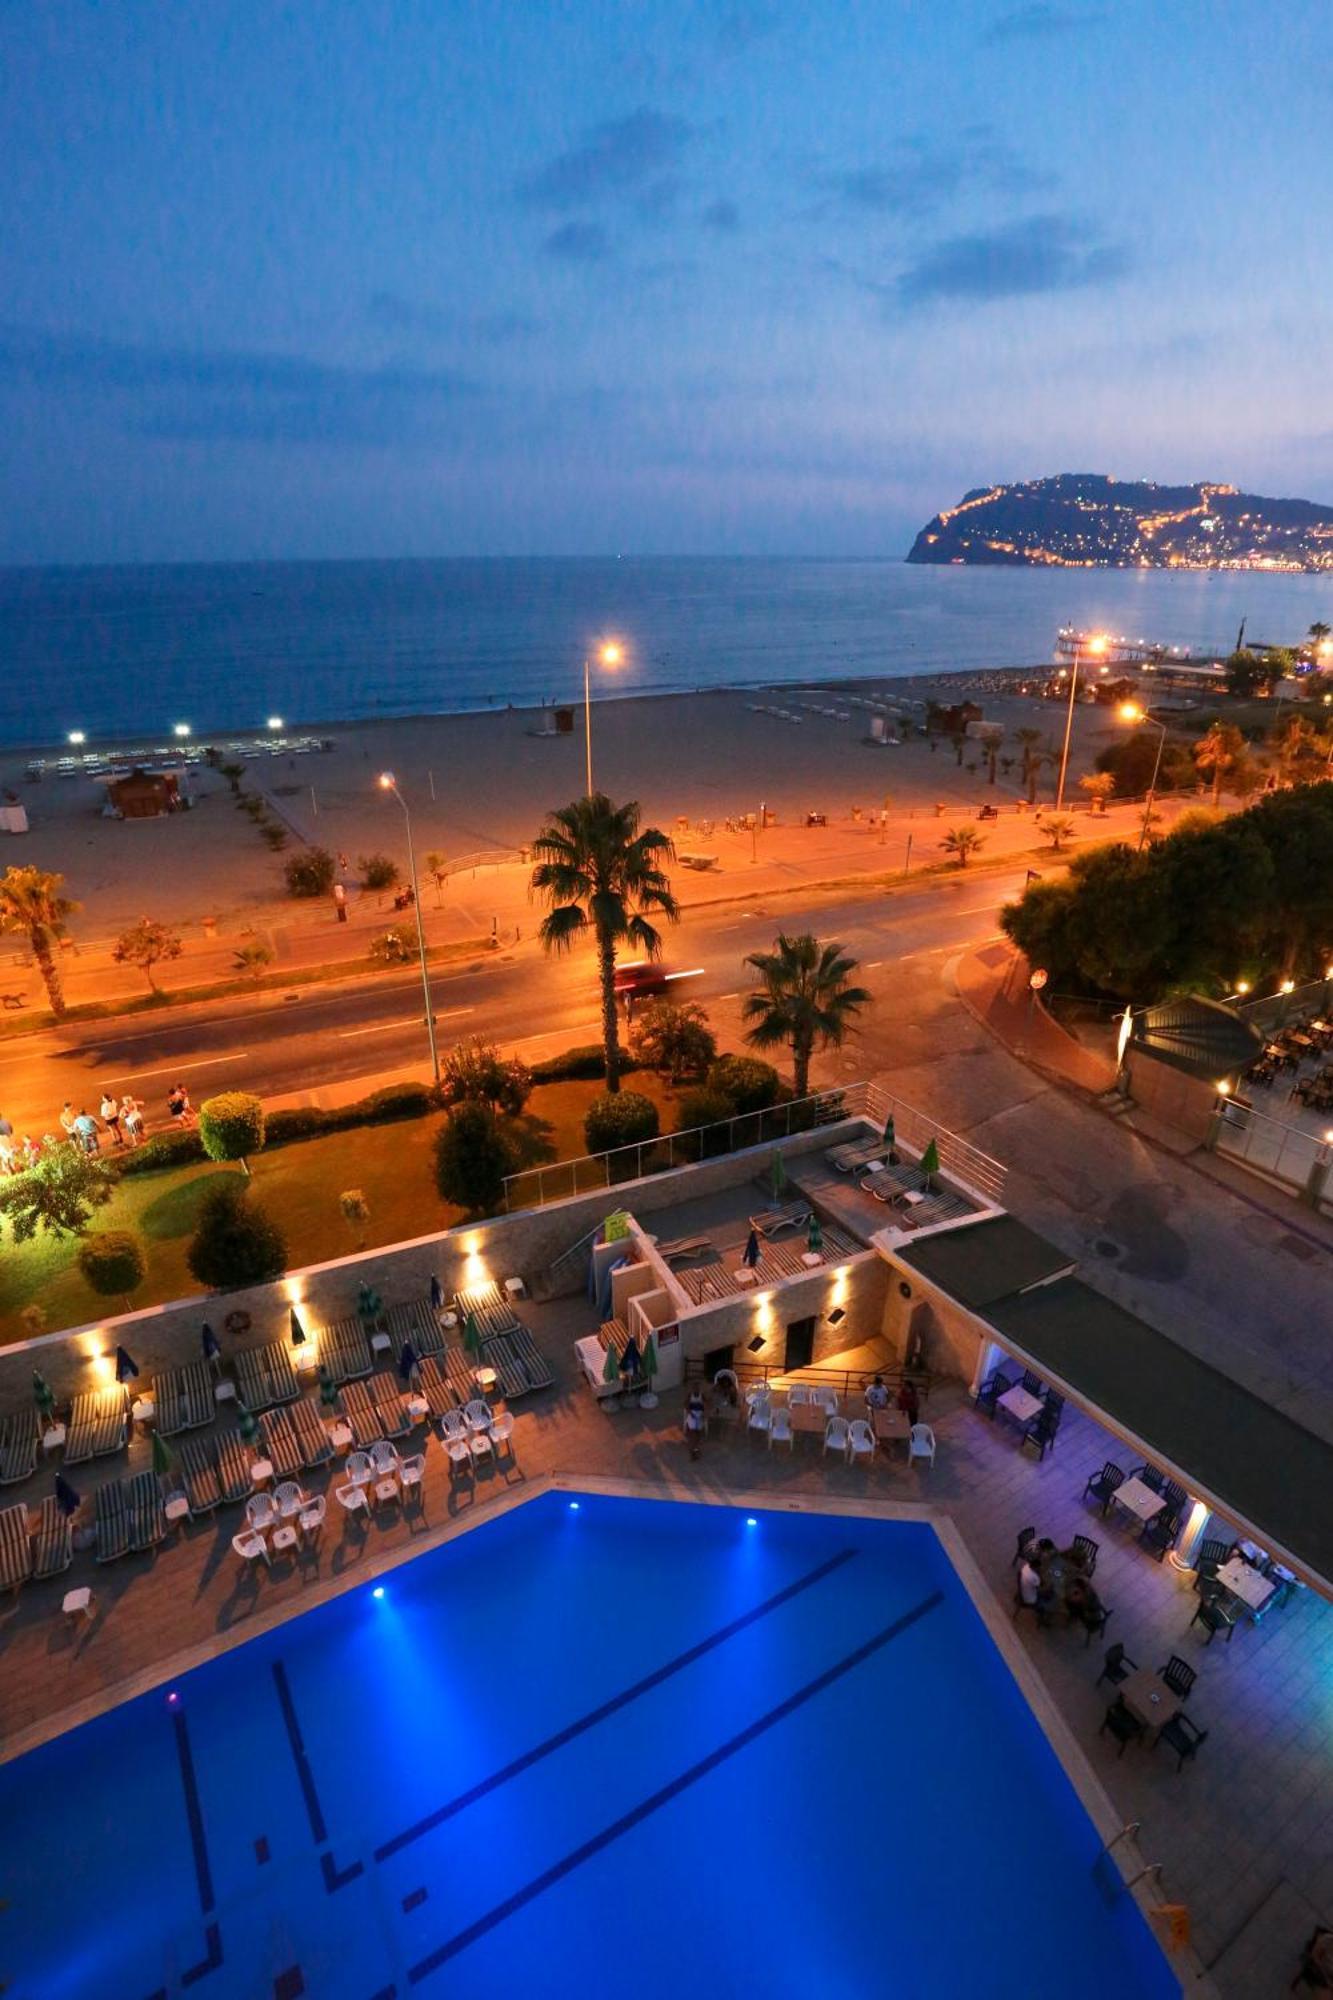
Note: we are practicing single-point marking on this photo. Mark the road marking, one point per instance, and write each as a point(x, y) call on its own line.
point(874, 965)
point(174, 1069)
point(730, 996)
point(413, 1021)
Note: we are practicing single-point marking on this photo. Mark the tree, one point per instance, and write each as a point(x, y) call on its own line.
point(805, 998)
point(1033, 758)
point(113, 1264)
point(378, 872)
point(1249, 674)
point(275, 835)
point(1218, 750)
point(622, 1118)
point(1317, 634)
point(1099, 786)
point(472, 1157)
point(392, 947)
point(963, 842)
point(1058, 829)
point(745, 1082)
point(58, 1193)
point(355, 1213)
point(251, 958)
point(674, 1038)
point(231, 1126)
point(476, 1072)
point(312, 872)
point(599, 869)
point(236, 1241)
point(233, 773)
point(146, 944)
point(437, 867)
point(33, 904)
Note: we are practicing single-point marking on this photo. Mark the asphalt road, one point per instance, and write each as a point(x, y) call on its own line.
point(324, 1035)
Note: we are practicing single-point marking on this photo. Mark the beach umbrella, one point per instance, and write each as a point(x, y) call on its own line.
point(208, 1340)
point(408, 1361)
point(629, 1360)
point(611, 1366)
point(890, 1135)
point(163, 1456)
point(328, 1390)
point(436, 1293)
point(42, 1393)
point(126, 1365)
point(779, 1177)
point(750, 1254)
point(246, 1423)
point(930, 1160)
point(814, 1238)
point(471, 1338)
point(649, 1364)
point(298, 1331)
point(367, 1302)
point(68, 1501)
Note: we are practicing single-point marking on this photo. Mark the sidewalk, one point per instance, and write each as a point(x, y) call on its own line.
point(993, 985)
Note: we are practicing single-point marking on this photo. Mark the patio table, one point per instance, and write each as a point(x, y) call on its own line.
point(1147, 1696)
point(1250, 1585)
point(891, 1425)
point(1020, 1403)
point(1139, 1500)
point(809, 1417)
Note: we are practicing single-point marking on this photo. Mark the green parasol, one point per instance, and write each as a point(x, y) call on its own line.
point(328, 1390)
point(814, 1238)
point(779, 1179)
point(611, 1366)
point(43, 1394)
point(890, 1136)
point(368, 1302)
point(246, 1424)
point(930, 1160)
point(471, 1338)
point(648, 1365)
point(163, 1456)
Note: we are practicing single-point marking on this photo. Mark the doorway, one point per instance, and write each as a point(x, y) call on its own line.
point(799, 1351)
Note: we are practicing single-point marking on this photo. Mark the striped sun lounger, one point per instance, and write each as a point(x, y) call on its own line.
point(415, 1322)
point(890, 1182)
point(390, 1406)
point(278, 1443)
point(344, 1349)
point(15, 1547)
point(184, 1399)
point(436, 1386)
point(113, 1520)
point(18, 1447)
point(148, 1520)
point(518, 1362)
point(55, 1540)
point(264, 1376)
point(234, 1461)
point(360, 1413)
point(860, 1153)
point(97, 1425)
point(458, 1366)
point(489, 1307)
point(313, 1440)
point(773, 1221)
point(198, 1460)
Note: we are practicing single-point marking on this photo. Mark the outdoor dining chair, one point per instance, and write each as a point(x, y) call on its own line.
point(288, 1499)
point(761, 1416)
point(1214, 1617)
point(1086, 1550)
point(383, 1459)
point(1116, 1666)
point(359, 1469)
point(1102, 1485)
point(502, 1430)
point(251, 1548)
point(1179, 1676)
point(260, 1513)
point(1184, 1738)
point(921, 1444)
point(1122, 1723)
point(860, 1440)
point(780, 1430)
point(835, 1435)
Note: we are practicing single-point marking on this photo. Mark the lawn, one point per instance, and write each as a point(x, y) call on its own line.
point(300, 1186)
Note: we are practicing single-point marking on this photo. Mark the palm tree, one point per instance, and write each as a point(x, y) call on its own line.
point(1218, 750)
point(1099, 786)
point(1058, 829)
point(1317, 633)
point(1032, 759)
point(34, 905)
point(599, 871)
point(962, 842)
point(804, 998)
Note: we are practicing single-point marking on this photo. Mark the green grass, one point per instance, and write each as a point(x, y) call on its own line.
point(300, 1185)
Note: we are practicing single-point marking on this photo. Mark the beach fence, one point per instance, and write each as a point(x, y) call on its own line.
point(1285, 1152)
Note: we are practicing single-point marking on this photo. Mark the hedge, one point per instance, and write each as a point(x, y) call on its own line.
point(578, 1065)
point(307, 1121)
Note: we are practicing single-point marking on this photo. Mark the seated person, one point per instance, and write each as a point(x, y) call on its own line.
point(1029, 1584)
point(694, 1420)
point(877, 1395)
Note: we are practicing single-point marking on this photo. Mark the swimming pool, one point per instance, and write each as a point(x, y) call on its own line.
point(599, 1746)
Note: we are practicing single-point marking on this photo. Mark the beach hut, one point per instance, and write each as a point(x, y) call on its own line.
point(140, 794)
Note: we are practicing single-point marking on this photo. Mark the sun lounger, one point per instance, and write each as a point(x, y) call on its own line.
point(97, 1425)
point(264, 1376)
point(148, 1520)
point(198, 1460)
point(519, 1363)
point(344, 1349)
point(15, 1547)
point(459, 1366)
point(113, 1520)
point(359, 1412)
point(18, 1447)
point(860, 1153)
point(890, 1183)
point(415, 1322)
point(435, 1386)
point(683, 1247)
point(932, 1208)
point(184, 1399)
point(54, 1549)
point(277, 1441)
point(790, 1215)
point(489, 1307)
point(234, 1461)
point(387, 1394)
point(311, 1437)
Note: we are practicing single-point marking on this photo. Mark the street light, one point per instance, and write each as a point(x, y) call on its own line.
point(77, 736)
point(389, 783)
point(1131, 712)
point(275, 722)
point(609, 655)
point(1096, 644)
point(180, 728)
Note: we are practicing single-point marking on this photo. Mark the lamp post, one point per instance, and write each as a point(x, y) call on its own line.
point(1095, 645)
point(1131, 712)
point(609, 655)
point(389, 783)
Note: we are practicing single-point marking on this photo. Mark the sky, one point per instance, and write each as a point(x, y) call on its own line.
point(550, 277)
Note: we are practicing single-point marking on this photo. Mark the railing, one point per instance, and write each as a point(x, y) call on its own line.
point(1277, 1009)
point(1270, 1145)
point(914, 1129)
point(844, 1380)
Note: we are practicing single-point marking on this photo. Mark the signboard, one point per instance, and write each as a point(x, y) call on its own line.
point(617, 1226)
point(667, 1336)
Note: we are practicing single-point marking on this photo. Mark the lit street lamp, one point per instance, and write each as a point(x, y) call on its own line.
point(609, 655)
point(389, 783)
point(1131, 712)
point(1096, 644)
point(180, 728)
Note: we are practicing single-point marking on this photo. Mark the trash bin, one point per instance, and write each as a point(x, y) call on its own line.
point(564, 722)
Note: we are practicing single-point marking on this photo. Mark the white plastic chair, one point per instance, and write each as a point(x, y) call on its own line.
point(728, 1375)
point(411, 1472)
point(921, 1444)
point(251, 1548)
point(360, 1471)
point(260, 1513)
point(288, 1499)
point(312, 1516)
point(502, 1429)
point(780, 1430)
point(352, 1499)
point(761, 1415)
point(799, 1393)
point(835, 1435)
point(477, 1415)
point(758, 1392)
point(860, 1440)
point(452, 1426)
point(826, 1398)
point(383, 1458)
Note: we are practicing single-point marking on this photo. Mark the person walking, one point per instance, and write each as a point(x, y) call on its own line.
point(131, 1117)
point(110, 1111)
point(68, 1121)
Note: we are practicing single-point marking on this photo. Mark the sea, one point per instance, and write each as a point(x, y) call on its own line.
point(133, 652)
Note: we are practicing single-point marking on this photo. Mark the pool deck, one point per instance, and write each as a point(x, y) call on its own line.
point(1244, 1834)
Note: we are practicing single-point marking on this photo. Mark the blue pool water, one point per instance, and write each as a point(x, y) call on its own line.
point(614, 1748)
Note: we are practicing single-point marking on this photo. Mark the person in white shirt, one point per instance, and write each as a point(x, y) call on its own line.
point(1029, 1584)
point(877, 1395)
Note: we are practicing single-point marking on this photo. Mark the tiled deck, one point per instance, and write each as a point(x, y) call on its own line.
point(1245, 1833)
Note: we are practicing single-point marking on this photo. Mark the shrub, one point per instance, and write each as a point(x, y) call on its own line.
point(750, 1085)
point(396, 1100)
point(377, 871)
point(675, 1039)
point(113, 1264)
point(312, 872)
point(237, 1242)
point(581, 1064)
point(476, 1071)
point(251, 958)
point(619, 1118)
point(231, 1126)
point(703, 1107)
point(393, 947)
point(166, 1149)
point(355, 1213)
point(472, 1156)
point(275, 835)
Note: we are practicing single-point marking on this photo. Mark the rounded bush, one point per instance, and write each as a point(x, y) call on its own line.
point(113, 1264)
point(750, 1084)
point(310, 873)
point(703, 1107)
point(236, 1242)
point(166, 1149)
point(619, 1118)
point(231, 1125)
point(582, 1064)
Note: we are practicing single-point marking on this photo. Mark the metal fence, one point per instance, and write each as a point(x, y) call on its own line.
point(1272, 1146)
point(1277, 1009)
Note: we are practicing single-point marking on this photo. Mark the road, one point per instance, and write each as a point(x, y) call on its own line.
point(322, 1036)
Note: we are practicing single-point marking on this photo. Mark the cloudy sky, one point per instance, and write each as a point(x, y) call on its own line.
point(586, 276)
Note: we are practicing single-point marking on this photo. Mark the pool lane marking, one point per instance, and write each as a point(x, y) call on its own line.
point(654, 1803)
point(583, 1723)
point(334, 1877)
point(203, 1873)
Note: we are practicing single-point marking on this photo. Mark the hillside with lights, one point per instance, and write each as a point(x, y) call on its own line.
point(1086, 520)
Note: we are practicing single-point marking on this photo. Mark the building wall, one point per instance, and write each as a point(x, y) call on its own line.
point(1186, 1102)
point(857, 1286)
point(951, 1338)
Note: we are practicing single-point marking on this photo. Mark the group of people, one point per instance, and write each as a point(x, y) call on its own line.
point(1048, 1576)
point(117, 1122)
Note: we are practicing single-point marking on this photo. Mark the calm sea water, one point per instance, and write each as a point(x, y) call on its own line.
point(120, 652)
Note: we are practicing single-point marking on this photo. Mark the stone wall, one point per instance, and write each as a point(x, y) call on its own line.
point(951, 1338)
point(857, 1286)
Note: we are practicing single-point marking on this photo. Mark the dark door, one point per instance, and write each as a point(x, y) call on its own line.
point(800, 1348)
point(721, 1357)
